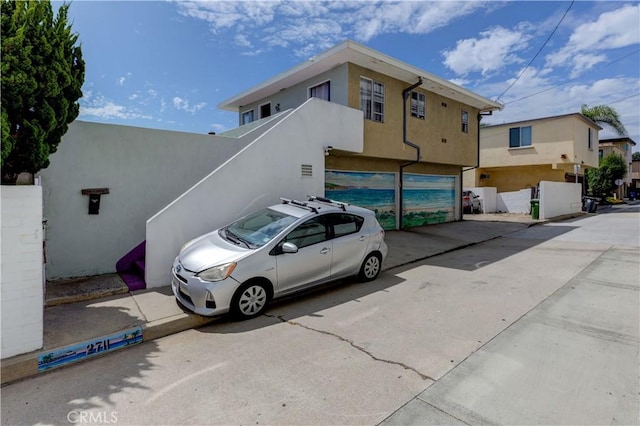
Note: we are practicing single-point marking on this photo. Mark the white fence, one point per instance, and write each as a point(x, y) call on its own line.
point(21, 276)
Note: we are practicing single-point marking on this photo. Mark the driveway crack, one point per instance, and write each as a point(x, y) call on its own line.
point(353, 345)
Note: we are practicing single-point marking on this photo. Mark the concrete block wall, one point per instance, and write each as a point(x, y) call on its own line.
point(21, 269)
point(514, 202)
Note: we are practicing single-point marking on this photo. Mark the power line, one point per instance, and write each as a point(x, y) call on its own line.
point(539, 50)
point(573, 79)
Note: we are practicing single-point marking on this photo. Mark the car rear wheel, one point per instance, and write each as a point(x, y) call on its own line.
point(250, 300)
point(370, 267)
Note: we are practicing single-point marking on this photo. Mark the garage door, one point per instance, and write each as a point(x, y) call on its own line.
point(428, 199)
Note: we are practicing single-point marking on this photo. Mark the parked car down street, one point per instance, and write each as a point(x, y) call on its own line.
point(471, 202)
point(276, 251)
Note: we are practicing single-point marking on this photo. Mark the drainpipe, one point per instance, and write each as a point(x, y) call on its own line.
point(480, 115)
point(405, 96)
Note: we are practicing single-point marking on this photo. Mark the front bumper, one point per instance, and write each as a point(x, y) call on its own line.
point(202, 297)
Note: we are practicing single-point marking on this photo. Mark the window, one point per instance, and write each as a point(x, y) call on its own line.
point(590, 144)
point(625, 147)
point(519, 137)
point(322, 91)
point(310, 232)
point(345, 224)
point(247, 117)
point(265, 110)
point(372, 99)
point(417, 105)
point(465, 121)
point(600, 154)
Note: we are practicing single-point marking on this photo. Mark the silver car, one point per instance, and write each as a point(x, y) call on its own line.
point(276, 251)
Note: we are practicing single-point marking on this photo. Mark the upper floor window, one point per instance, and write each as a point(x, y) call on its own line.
point(625, 147)
point(372, 99)
point(265, 110)
point(322, 91)
point(417, 104)
point(465, 121)
point(519, 137)
point(590, 145)
point(247, 117)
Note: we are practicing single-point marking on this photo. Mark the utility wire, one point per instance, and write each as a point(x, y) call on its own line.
point(536, 55)
point(573, 79)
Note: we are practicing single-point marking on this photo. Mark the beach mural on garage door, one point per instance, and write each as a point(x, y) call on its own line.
point(373, 190)
point(428, 199)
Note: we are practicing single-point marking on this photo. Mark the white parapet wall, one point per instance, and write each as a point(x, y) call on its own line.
point(559, 199)
point(21, 270)
point(268, 168)
point(514, 202)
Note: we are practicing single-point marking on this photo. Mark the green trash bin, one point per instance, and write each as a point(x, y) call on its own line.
point(535, 209)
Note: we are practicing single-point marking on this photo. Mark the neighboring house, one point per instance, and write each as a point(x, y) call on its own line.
point(351, 123)
point(519, 155)
point(419, 131)
point(635, 178)
point(622, 147)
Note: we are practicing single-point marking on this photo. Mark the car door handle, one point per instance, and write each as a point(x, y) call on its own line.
point(362, 238)
point(325, 250)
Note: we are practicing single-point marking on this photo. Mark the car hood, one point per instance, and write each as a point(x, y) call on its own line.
point(210, 250)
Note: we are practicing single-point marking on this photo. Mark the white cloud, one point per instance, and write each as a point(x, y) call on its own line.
point(183, 105)
point(106, 109)
point(313, 25)
point(611, 30)
point(492, 51)
point(123, 79)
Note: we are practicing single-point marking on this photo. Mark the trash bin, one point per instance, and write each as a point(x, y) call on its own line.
point(535, 208)
point(632, 195)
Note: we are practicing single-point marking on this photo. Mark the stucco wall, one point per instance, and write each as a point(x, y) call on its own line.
point(21, 279)
point(507, 179)
point(257, 176)
point(144, 170)
point(514, 202)
point(558, 199)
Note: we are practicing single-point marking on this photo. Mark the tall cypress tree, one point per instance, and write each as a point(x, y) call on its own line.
point(42, 75)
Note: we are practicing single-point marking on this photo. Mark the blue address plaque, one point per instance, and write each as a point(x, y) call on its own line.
point(88, 349)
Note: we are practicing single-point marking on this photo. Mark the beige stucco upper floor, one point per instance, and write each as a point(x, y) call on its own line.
point(560, 141)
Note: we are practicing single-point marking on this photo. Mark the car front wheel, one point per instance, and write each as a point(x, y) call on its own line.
point(250, 300)
point(370, 267)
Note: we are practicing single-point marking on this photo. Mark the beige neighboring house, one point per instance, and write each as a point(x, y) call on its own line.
point(518, 155)
point(622, 147)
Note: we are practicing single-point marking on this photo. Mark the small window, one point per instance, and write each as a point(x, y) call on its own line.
point(265, 110)
point(519, 137)
point(322, 91)
point(465, 121)
point(417, 105)
point(345, 224)
point(310, 232)
point(600, 154)
point(372, 99)
point(247, 117)
point(590, 141)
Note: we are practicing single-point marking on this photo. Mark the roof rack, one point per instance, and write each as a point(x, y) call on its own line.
point(340, 204)
point(299, 204)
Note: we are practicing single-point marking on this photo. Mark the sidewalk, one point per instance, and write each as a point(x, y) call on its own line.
point(92, 317)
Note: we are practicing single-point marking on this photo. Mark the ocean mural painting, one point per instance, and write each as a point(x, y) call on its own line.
point(428, 199)
point(372, 190)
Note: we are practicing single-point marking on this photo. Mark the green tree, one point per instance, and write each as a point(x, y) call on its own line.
point(602, 180)
point(635, 156)
point(603, 114)
point(42, 75)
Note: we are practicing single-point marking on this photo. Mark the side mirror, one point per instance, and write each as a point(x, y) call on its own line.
point(289, 248)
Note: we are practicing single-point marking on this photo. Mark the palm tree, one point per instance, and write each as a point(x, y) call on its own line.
point(603, 114)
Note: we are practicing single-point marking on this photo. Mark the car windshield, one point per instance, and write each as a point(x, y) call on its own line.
point(258, 228)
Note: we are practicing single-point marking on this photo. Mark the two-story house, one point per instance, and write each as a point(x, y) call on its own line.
point(518, 155)
point(622, 147)
point(419, 131)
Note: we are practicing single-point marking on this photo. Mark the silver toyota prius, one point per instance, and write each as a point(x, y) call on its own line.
point(276, 251)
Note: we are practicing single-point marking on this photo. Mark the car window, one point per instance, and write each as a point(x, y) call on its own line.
point(345, 224)
point(260, 227)
point(310, 232)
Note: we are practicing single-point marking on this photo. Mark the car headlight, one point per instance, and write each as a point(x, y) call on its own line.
point(217, 273)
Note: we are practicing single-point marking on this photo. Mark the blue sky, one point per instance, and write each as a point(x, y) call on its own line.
point(168, 64)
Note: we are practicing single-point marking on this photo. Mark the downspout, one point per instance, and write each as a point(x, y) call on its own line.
point(405, 96)
point(480, 115)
